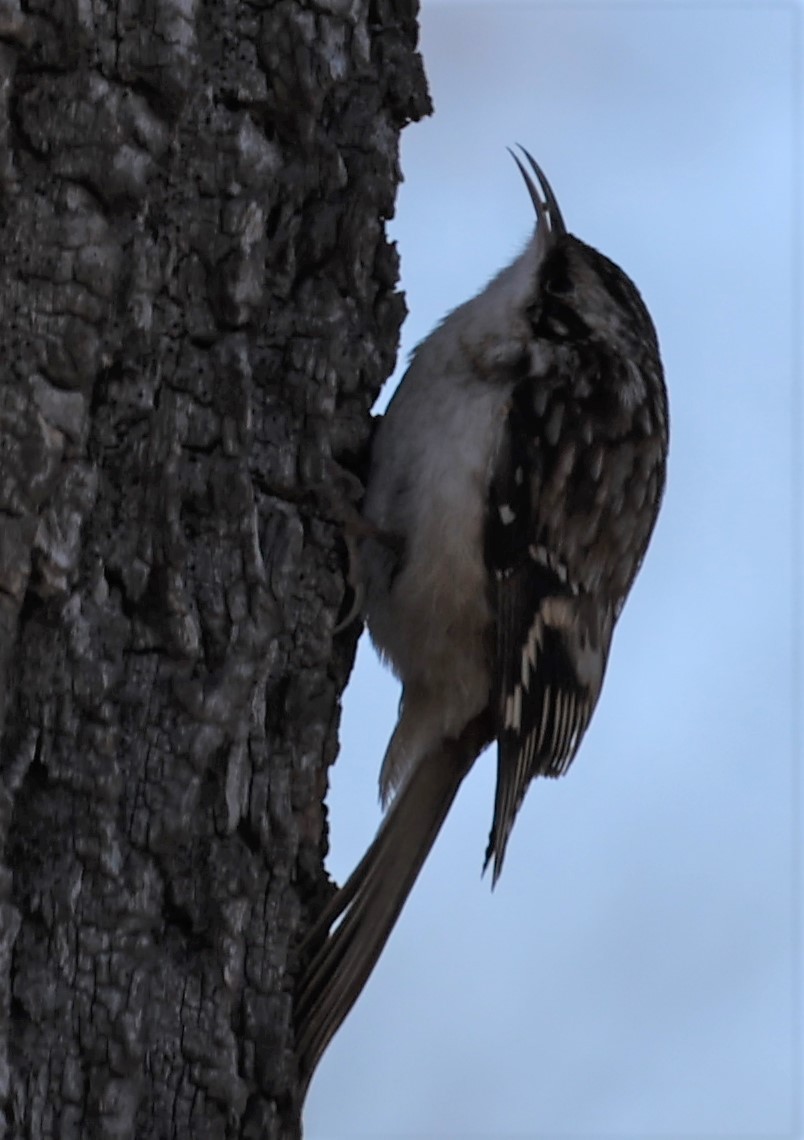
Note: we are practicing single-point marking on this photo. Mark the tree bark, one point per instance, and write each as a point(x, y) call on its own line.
point(197, 308)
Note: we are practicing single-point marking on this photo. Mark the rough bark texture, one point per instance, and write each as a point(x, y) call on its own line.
point(197, 308)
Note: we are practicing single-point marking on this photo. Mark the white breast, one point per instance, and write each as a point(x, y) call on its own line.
point(429, 483)
point(432, 461)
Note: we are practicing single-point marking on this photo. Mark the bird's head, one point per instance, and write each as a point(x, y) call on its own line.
point(581, 296)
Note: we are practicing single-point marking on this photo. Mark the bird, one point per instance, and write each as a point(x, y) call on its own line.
point(514, 484)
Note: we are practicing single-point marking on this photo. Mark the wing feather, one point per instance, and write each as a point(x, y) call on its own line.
point(552, 638)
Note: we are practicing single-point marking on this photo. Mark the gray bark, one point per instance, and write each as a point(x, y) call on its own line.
point(197, 308)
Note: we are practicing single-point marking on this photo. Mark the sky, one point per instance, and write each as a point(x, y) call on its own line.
point(636, 971)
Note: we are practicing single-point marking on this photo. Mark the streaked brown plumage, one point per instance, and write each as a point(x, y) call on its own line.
point(515, 482)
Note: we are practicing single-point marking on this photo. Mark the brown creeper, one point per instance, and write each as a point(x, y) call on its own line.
point(514, 485)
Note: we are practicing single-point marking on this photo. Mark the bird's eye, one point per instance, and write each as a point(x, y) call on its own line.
point(557, 276)
point(558, 284)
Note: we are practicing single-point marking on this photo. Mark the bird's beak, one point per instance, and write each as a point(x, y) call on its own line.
point(550, 224)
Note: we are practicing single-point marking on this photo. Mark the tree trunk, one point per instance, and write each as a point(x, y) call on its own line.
point(197, 309)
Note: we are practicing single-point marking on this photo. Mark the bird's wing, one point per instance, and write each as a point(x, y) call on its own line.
point(552, 635)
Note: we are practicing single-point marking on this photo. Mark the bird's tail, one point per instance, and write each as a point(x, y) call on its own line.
point(371, 900)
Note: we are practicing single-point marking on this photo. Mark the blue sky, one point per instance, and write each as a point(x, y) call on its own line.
point(634, 972)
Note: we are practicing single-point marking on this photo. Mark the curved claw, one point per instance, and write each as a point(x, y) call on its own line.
point(545, 203)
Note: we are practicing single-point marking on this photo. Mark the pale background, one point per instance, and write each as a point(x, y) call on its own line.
point(635, 972)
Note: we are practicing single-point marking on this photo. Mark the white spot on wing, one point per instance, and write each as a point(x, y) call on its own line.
point(542, 557)
point(530, 651)
point(513, 709)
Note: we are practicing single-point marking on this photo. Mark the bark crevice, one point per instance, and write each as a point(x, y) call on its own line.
point(197, 309)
